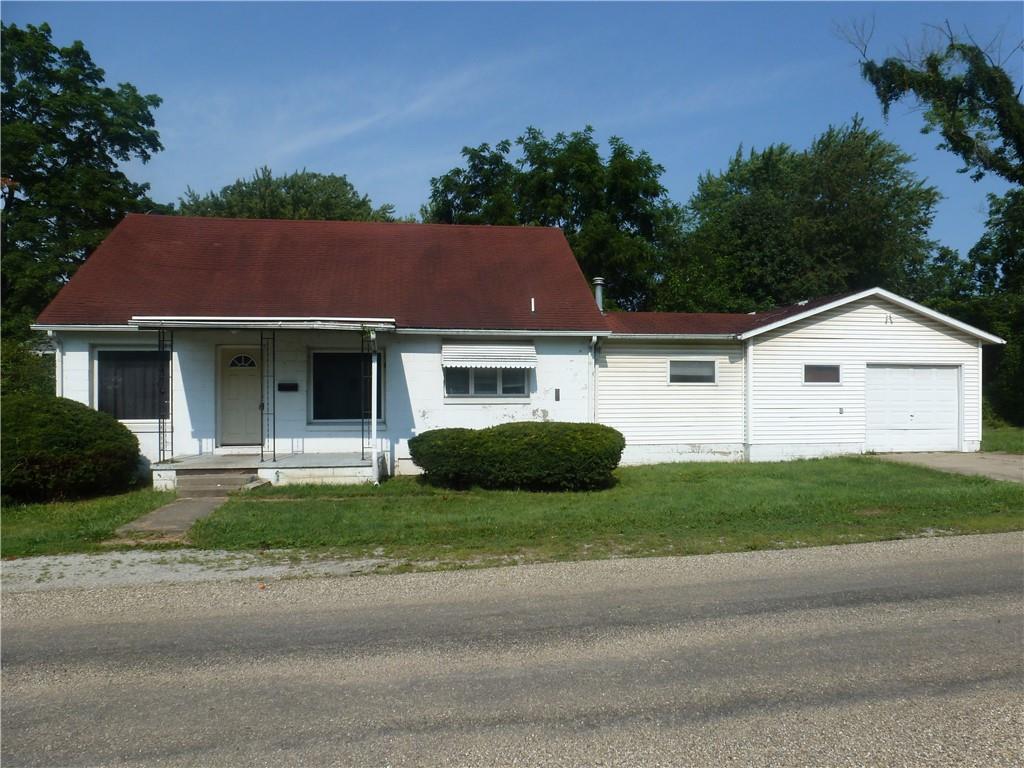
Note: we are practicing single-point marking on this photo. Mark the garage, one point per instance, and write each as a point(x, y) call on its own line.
point(912, 408)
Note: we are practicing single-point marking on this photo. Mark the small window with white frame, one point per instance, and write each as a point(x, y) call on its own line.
point(486, 382)
point(692, 372)
point(815, 373)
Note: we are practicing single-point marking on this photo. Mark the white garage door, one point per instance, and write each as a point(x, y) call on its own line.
point(913, 408)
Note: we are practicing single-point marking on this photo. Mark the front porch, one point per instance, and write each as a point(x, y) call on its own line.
point(286, 469)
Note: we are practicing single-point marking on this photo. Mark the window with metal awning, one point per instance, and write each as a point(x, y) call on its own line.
point(487, 370)
point(490, 355)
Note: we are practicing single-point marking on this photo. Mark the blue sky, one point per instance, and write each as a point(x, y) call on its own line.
point(389, 93)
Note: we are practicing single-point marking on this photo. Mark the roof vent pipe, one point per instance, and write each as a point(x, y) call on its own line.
point(599, 292)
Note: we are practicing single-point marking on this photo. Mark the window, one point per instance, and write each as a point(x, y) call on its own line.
point(691, 371)
point(821, 374)
point(341, 385)
point(133, 384)
point(482, 382)
point(242, 361)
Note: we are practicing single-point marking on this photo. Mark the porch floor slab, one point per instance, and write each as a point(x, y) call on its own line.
point(214, 461)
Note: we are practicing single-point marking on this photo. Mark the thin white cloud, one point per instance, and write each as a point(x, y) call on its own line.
point(734, 91)
point(215, 132)
point(419, 100)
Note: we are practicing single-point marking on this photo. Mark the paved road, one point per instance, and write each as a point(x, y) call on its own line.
point(902, 653)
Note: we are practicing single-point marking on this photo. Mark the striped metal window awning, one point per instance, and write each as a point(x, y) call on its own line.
point(488, 356)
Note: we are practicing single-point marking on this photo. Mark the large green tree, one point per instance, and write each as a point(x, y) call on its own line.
point(613, 209)
point(973, 103)
point(780, 225)
point(300, 195)
point(64, 134)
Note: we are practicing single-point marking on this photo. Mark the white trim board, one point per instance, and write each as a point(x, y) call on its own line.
point(881, 293)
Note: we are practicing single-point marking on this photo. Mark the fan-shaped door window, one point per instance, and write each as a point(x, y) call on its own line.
point(242, 361)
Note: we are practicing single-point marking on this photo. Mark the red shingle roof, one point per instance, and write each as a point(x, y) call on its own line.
point(422, 275)
point(676, 323)
point(705, 323)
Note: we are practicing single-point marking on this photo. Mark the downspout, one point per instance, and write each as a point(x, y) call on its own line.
point(58, 357)
point(373, 408)
point(748, 395)
point(599, 300)
point(593, 380)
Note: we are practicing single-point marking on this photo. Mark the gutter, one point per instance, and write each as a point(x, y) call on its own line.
point(496, 332)
point(50, 327)
point(268, 323)
point(676, 336)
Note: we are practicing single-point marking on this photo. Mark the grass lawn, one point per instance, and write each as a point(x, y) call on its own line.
point(1003, 438)
point(71, 526)
point(664, 509)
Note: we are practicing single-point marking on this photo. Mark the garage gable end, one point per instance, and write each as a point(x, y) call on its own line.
point(880, 293)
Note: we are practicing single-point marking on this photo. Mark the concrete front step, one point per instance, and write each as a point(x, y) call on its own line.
point(198, 486)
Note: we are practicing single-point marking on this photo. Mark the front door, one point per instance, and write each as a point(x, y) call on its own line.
point(239, 396)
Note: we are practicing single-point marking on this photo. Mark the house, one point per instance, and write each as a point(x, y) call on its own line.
point(267, 345)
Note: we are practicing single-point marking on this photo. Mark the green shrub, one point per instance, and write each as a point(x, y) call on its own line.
point(530, 455)
point(22, 369)
point(54, 448)
point(447, 456)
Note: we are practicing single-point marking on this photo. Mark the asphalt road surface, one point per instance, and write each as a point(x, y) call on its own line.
point(900, 653)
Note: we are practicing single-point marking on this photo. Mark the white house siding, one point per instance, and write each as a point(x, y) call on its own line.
point(671, 422)
point(791, 419)
point(75, 366)
point(414, 399)
point(563, 364)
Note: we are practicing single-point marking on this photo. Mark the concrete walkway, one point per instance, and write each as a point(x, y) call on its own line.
point(998, 466)
point(172, 520)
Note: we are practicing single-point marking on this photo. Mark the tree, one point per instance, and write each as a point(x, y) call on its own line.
point(971, 100)
point(998, 257)
point(967, 96)
point(63, 135)
point(780, 225)
point(300, 195)
point(614, 211)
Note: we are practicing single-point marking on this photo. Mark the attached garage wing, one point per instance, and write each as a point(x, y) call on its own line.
point(913, 408)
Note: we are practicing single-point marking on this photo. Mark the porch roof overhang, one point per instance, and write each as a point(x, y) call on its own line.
point(267, 323)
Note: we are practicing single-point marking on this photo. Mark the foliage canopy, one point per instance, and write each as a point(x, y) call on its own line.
point(64, 134)
point(781, 225)
point(614, 211)
point(299, 195)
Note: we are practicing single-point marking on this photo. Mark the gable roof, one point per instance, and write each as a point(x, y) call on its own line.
point(416, 275)
point(199, 271)
point(698, 324)
point(684, 325)
point(825, 304)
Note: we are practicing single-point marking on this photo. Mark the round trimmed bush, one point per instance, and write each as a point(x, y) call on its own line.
point(547, 455)
point(55, 448)
point(447, 456)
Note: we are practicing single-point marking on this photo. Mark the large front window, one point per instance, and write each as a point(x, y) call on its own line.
point(485, 381)
point(133, 384)
point(341, 386)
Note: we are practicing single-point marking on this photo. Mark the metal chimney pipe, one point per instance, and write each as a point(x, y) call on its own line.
point(599, 292)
